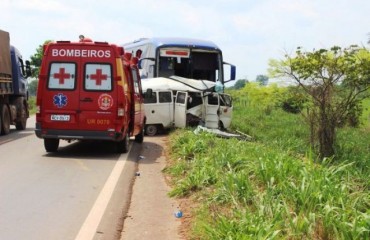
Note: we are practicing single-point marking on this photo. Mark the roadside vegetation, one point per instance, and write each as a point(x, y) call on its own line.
point(32, 104)
point(275, 186)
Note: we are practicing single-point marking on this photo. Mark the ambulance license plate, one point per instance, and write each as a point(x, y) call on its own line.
point(57, 117)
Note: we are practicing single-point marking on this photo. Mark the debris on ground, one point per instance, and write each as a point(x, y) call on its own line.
point(224, 134)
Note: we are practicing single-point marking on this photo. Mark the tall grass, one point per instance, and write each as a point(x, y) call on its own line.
point(272, 187)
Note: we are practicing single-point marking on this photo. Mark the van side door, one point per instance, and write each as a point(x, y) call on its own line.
point(212, 111)
point(226, 110)
point(180, 109)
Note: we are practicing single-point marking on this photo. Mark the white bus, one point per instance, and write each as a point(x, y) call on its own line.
point(183, 57)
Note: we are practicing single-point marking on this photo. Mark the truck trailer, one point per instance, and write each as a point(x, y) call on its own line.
point(13, 86)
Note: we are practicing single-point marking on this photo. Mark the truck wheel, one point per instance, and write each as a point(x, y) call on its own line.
point(123, 146)
point(140, 137)
point(5, 120)
point(21, 124)
point(51, 144)
point(151, 130)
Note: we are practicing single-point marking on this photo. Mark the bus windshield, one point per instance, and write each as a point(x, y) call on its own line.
point(188, 63)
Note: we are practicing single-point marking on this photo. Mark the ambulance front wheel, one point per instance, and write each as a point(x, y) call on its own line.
point(151, 129)
point(51, 144)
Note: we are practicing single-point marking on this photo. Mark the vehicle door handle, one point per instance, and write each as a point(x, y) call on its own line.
point(86, 100)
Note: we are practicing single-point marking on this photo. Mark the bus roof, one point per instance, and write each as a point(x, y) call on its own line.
point(174, 42)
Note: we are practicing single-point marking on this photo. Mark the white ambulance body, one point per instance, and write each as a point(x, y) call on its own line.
point(182, 102)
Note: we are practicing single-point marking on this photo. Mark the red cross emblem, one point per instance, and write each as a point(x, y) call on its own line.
point(98, 77)
point(62, 75)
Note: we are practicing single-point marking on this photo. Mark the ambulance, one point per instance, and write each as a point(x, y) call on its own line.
point(89, 91)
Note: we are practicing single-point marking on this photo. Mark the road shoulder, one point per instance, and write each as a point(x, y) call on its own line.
point(151, 212)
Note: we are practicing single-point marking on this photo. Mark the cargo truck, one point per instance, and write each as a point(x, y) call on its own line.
point(13, 86)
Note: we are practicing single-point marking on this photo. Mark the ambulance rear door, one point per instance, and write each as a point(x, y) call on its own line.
point(60, 101)
point(98, 95)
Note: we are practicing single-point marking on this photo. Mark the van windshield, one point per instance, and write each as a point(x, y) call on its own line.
point(202, 65)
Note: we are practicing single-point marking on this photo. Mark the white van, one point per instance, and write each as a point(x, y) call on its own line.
point(181, 102)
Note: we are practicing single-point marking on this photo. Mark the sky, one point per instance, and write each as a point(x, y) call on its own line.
point(249, 32)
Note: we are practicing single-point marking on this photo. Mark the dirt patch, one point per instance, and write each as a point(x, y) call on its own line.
point(186, 205)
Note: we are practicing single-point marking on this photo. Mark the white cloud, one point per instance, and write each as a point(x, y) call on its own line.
point(248, 31)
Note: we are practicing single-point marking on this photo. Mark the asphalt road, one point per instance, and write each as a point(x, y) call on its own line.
point(81, 192)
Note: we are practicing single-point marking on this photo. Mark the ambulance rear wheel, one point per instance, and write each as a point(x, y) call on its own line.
point(123, 146)
point(5, 119)
point(51, 144)
point(140, 137)
point(151, 129)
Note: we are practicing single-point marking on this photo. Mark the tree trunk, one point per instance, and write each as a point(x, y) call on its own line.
point(326, 135)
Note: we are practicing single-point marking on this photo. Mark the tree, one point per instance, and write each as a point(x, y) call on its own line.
point(36, 59)
point(262, 80)
point(240, 83)
point(336, 80)
point(32, 87)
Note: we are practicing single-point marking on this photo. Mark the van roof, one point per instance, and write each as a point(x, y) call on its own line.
point(176, 83)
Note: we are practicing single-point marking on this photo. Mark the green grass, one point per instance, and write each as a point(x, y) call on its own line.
point(273, 187)
point(32, 105)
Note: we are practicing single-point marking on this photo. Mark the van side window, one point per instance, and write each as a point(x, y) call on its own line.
point(180, 97)
point(225, 100)
point(164, 97)
point(62, 76)
point(213, 99)
point(150, 98)
point(98, 77)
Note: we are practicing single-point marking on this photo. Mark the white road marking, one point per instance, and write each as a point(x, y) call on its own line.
point(88, 229)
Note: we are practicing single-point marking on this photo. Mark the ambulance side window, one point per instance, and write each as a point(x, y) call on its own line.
point(62, 76)
point(136, 80)
point(98, 77)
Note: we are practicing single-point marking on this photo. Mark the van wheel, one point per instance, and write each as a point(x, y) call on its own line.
point(22, 123)
point(151, 129)
point(140, 137)
point(5, 119)
point(221, 126)
point(51, 144)
point(123, 146)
